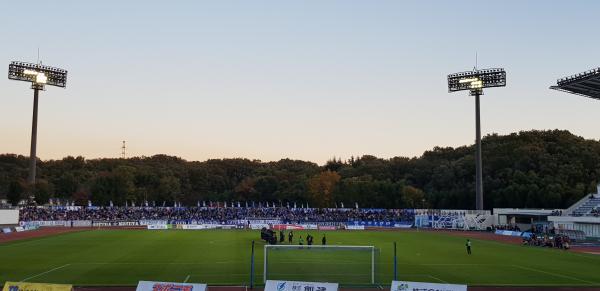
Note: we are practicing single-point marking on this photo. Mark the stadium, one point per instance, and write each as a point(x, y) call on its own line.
point(517, 208)
point(363, 248)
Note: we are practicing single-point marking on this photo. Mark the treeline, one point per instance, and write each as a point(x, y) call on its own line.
point(549, 169)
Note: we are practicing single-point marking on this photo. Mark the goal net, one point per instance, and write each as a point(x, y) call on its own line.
point(346, 265)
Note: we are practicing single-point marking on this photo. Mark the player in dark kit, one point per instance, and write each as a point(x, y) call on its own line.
point(281, 236)
point(290, 237)
point(468, 245)
point(324, 240)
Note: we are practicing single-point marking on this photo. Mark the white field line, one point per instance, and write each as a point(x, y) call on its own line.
point(436, 278)
point(44, 273)
point(186, 279)
point(554, 274)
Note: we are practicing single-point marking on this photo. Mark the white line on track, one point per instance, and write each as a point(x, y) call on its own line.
point(44, 273)
point(186, 279)
point(554, 274)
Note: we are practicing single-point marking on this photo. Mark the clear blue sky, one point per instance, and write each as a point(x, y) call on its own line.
point(290, 79)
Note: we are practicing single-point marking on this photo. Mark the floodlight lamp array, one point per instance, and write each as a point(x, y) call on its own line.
point(39, 75)
point(476, 80)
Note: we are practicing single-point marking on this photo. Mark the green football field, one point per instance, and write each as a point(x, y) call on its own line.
point(123, 257)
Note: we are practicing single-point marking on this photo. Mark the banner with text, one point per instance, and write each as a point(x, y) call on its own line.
point(420, 286)
point(169, 286)
point(23, 286)
point(274, 285)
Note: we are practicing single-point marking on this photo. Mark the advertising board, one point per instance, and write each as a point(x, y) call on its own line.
point(169, 286)
point(410, 286)
point(275, 285)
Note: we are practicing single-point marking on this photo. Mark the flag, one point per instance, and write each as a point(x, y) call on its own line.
point(203, 203)
point(342, 204)
point(288, 204)
point(356, 205)
point(132, 203)
point(164, 203)
point(246, 203)
point(89, 203)
point(294, 205)
point(146, 203)
point(111, 203)
point(239, 204)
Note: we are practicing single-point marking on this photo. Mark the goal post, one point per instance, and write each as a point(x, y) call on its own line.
point(347, 265)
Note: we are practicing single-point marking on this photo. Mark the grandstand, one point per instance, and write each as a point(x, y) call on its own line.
point(586, 208)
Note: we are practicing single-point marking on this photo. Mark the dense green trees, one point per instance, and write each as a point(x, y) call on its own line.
point(550, 169)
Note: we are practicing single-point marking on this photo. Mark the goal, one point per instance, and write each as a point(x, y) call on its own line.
point(347, 265)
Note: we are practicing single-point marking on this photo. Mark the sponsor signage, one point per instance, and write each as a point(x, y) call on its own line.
point(274, 285)
point(6, 230)
point(169, 286)
point(508, 232)
point(157, 226)
point(258, 225)
point(23, 286)
point(81, 223)
point(421, 286)
point(309, 226)
point(370, 223)
point(327, 227)
point(355, 227)
point(19, 229)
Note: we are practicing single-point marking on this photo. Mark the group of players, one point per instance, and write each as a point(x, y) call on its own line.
point(309, 238)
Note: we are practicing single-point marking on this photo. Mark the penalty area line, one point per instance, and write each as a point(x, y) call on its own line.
point(44, 273)
point(554, 274)
point(186, 279)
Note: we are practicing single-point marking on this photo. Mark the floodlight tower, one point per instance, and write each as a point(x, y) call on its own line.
point(39, 76)
point(475, 81)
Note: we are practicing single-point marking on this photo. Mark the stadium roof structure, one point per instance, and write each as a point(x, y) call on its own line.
point(585, 84)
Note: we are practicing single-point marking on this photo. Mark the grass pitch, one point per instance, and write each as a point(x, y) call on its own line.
point(123, 257)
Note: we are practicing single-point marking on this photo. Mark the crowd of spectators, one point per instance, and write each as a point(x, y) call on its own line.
point(547, 240)
point(595, 212)
point(285, 214)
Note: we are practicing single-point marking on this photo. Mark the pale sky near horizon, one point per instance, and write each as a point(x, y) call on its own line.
point(289, 79)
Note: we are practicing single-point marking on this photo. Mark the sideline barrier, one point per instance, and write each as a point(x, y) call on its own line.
point(169, 286)
point(258, 225)
point(355, 227)
point(276, 285)
point(409, 286)
point(24, 286)
point(157, 226)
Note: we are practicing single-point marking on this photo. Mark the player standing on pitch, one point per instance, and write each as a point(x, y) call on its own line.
point(324, 240)
point(468, 245)
point(290, 237)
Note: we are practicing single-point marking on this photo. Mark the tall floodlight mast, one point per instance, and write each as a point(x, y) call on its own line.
point(475, 81)
point(39, 76)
